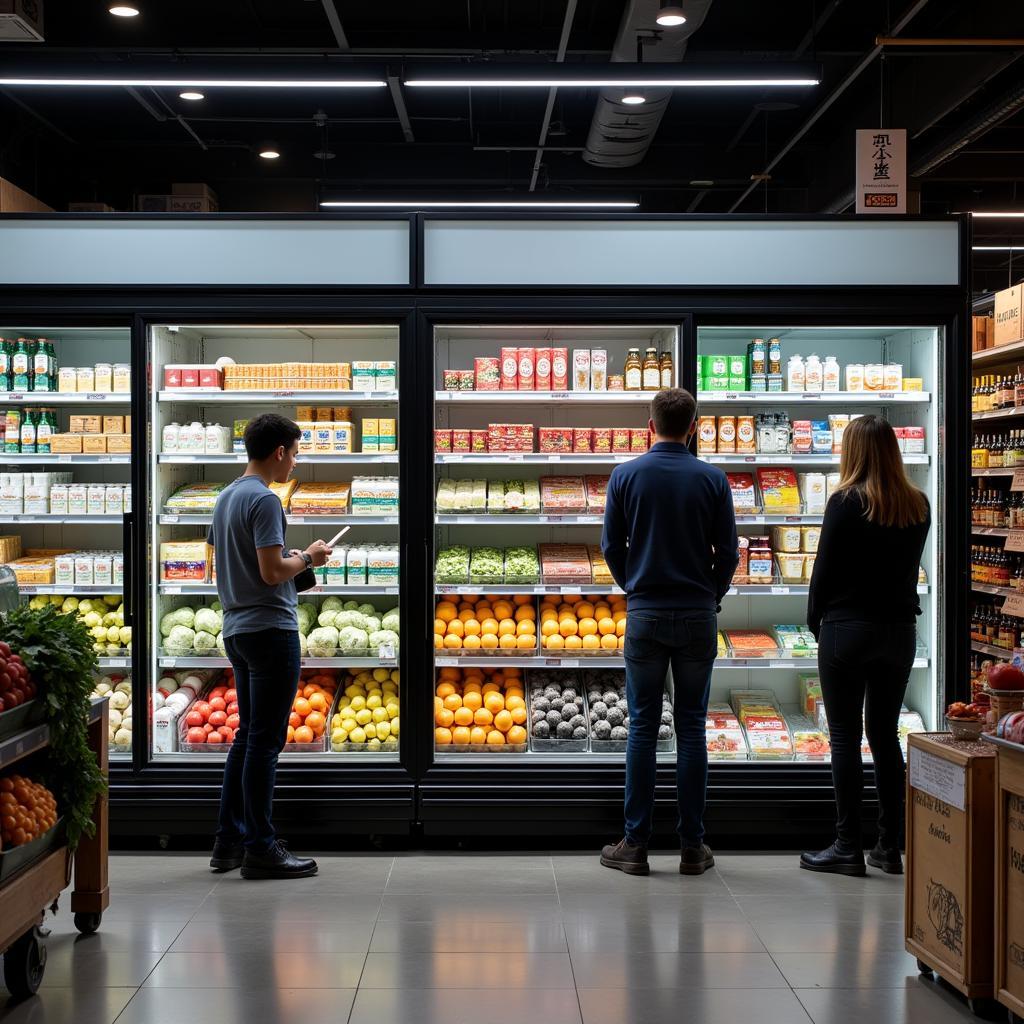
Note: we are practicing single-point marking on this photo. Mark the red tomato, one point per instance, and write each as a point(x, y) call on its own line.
point(6, 682)
point(195, 736)
point(9, 701)
point(233, 721)
point(218, 718)
point(218, 691)
point(214, 738)
point(231, 695)
point(193, 719)
point(218, 703)
point(232, 708)
point(202, 707)
point(207, 728)
point(5, 649)
point(228, 734)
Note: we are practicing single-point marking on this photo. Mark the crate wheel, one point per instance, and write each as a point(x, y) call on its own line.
point(87, 924)
point(924, 968)
point(24, 964)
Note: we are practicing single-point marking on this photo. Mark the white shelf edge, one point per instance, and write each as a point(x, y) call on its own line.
point(70, 589)
point(172, 519)
point(185, 661)
point(234, 458)
point(356, 590)
point(201, 396)
point(467, 519)
point(996, 652)
point(64, 459)
point(50, 398)
point(813, 397)
point(537, 397)
point(28, 519)
point(994, 472)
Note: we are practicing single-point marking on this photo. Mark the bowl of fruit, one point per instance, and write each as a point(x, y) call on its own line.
point(965, 721)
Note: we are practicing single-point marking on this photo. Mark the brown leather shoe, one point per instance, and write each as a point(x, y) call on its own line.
point(626, 857)
point(695, 860)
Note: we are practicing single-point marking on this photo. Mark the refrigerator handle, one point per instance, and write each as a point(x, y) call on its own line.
point(128, 539)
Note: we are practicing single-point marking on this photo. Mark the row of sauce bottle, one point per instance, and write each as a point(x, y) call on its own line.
point(990, 626)
point(999, 509)
point(995, 391)
point(998, 451)
point(995, 567)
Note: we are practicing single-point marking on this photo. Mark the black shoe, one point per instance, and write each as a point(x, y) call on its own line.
point(626, 857)
point(226, 855)
point(834, 860)
point(277, 862)
point(887, 859)
point(695, 860)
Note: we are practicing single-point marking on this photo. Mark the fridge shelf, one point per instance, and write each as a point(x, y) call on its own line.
point(795, 460)
point(998, 414)
point(327, 588)
point(17, 459)
point(169, 661)
point(51, 398)
point(519, 520)
point(502, 588)
point(544, 397)
point(531, 661)
point(47, 519)
point(115, 662)
point(202, 396)
point(992, 651)
point(990, 531)
point(986, 588)
point(810, 663)
point(992, 472)
point(813, 397)
point(70, 589)
point(232, 458)
point(170, 519)
point(785, 590)
point(534, 458)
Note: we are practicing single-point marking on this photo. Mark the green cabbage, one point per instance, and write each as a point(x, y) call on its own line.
point(180, 640)
point(204, 641)
point(206, 621)
point(390, 620)
point(332, 604)
point(323, 642)
point(351, 640)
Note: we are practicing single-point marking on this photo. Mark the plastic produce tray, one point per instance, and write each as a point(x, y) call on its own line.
point(389, 746)
point(557, 746)
point(599, 746)
point(18, 857)
point(24, 716)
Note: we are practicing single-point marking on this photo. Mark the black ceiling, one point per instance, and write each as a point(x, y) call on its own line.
point(110, 145)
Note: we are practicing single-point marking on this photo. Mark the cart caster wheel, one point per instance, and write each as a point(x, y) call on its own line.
point(87, 924)
point(924, 968)
point(24, 964)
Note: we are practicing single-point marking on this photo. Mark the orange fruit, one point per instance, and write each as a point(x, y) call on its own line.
point(573, 643)
point(494, 702)
point(438, 641)
point(525, 612)
point(450, 674)
point(588, 627)
point(548, 627)
point(620, 627)
point(453, 642)
point(440, 626)
point(503, 721)
point(506, 627)
point(518, 715)
point(492, 685)
point(591, 642)
point(456, 628)
point(521, 599)
point(467, 613)
point(478, 735)
point(622, 642)
point(460, 735)
point(605, 626)
point(471, 643)
point(291, 734)
point(301, 707)
point(444, 689)
point(489, 641)
point(453, 702)
point(464, 716)
point(495, 738)
point(489, 624)
point(609, 642)
point(507, 642)
point(294, 720)
point(526, 642)
point(527, 627)
point(567, 626)
point(442, 737)
point(555, 642)
point(318, 702)
point(482, 716)
point(304, 734)
point(316, 721)
point(445, 611)
point(444, 717)
point(503, 610)
point(473, 700)
point(471, 627)
point(516, 735)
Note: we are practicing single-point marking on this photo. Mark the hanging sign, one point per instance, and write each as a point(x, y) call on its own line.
point(881, 170)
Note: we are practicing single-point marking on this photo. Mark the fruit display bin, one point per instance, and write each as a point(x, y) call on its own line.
point(388, 746)
point(594, 681)
point(13, 860)
point(24, 716)
point(566, 680)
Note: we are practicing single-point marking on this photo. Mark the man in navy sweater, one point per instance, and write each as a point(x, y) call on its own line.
point(670, 542)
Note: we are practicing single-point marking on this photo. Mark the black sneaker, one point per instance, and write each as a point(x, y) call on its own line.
point(833, 860)
point(226, 855)
point(695, 860)
point(887, 859)
point(277, 862)
point(626, 857)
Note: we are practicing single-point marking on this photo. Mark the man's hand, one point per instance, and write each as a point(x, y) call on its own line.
point(319, 552)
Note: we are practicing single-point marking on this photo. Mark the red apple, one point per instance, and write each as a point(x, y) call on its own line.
point(233, 721)
point(231, 695)
point(232, 708)
point(202, 707)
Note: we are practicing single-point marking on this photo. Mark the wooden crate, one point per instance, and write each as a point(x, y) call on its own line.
point(949, 918)
point(1009, 936)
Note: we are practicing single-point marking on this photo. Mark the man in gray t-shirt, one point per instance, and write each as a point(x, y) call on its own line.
point(256, 586)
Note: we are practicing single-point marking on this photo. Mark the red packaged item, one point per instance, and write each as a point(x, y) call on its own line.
point(467, 379)
point(487, 373)
point(211, 377)
point(560, 494)
point(462, 440)
point(509, 369)
point(542, 370)
point(442, 440)
point(601, 440)
point(559, 369)
point(581, 439)
point(556, 439)
point(510, 437)
point(172, 375)
point(621, 439)
point(597, 489)
point(478, 440)
point(450, 380)
point(638, 440)
point(566, 562)
point(527, 366)
point(190, 376)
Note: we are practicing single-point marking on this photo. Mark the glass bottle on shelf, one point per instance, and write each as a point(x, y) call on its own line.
point(667, 370)
point(1018, 389)
point(812, 373)
point(651, 371)
point(633, 370)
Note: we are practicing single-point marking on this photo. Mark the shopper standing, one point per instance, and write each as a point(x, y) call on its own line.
point(670, 542)
point(862, 608)
point(256, 585)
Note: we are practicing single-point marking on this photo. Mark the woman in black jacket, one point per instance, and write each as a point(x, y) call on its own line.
point(862, 608)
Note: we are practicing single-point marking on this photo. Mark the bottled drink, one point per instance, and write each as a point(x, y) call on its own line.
point(633, 370)
point(667, 370)
point(651, 371)
point(21, 366)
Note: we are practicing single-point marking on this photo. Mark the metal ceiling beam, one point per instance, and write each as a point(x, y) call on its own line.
point(563, 44)
point(861, 66)
point(335, 22)
point(395, 88)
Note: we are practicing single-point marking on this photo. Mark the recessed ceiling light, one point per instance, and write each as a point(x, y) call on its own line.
point(671, 15)
point(633, 98)
point(269, 151)
point(123, 10)
point(191, 94)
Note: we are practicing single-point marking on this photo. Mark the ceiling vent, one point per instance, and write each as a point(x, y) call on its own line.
point(21, 21)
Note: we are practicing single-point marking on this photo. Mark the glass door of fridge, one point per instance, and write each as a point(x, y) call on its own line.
point(339, 383)
point(65, 403)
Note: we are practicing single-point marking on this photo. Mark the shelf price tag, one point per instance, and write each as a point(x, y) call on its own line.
point(283, 394)
point(515, 457)
point(563, 662)
point(452, 458)
point(170, 519)
point(809, 396)
point(780, 590)
point(779, 664)
point(386, 651)
point(557, 396)
point(887, 394)
point(1014, 605)
point(446, 662)
point(554, 458)
point(15, 396)
point(171, 590)
point(95, 396)
point(731, 396)
point(63, 458)
point(1015, 540)
point(1017, 484)
point(391, 590)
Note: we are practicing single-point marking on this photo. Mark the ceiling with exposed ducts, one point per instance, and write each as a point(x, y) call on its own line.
point(742, 150)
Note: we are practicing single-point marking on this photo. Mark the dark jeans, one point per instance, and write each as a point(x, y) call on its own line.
point(864, 668)
point(266, 668)
point(688, 642)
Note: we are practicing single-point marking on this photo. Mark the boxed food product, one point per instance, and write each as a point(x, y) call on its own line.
point(803, 437)
point(372, 495)
point(724, 736)
point(487, 565)
point(599, 571)
point(742, 574)
point(913, 440)
point(809, 742)
point(10, 547)
point(786, 538)
point(639, 440)
point(510, 437)
point(809, 537)
point(791, 566)
point(462, 441)
point(559, 369)
point(320, 498)
point(452, 565)
point(478, 441)
point(119, 444)
point(809, 567)
point(581, 440)
point(621, 437)
point(601, 440)
point(542, 371)
point(569, 563)
point(796, 641)
point(450, 380)
point(707, 435)
point(33, 570)
point(186, 561)
point(767, 734)
point(94, 444)
point(510, 369)
point(563, 494)
point(779, 491)
point(284, 491)
point(194, 499)
point(751, 643)
point(581, 369)
point(86, 425)
point(597, 490)
point(814, 488)
point(810, 691)
point(62, 444)
point(521, 565)
point(744, 497)
point(385, 373)
point(527, 368)
point(556, 439)
point(821, 437)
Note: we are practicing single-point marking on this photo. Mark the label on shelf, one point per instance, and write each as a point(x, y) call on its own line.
point(64, 458)
point(808, 396)
point(780, 590)
point(1015, 540)
point(792, 519)
point(886, 394)
point(15, 396)
point(95, 396)
point(750, 458)
point(391, 590)
point(1014, 605)
point(170, 519)
point(283, 394)
point(446, 662)
point(170, 589)
point(1017, 484)
point(453, 458)
point(783, 664)
point(116, 662)
point(515, 457)
point(557, 396)
point(563, 662)
point(386, 651)
point(554, 458)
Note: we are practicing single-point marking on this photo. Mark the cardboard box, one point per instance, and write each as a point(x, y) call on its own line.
point(66, 444)
point(89, 208)
point(85, 424)
point(17, 200)
point(950, 899)
point(1009, 885)
point(194, 188)
point(94, 444)
point(174, 204)
point(1009, 324)
point(113, 424)
point(118, 444)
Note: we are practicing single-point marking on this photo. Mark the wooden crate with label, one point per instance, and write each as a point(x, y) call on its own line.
point(1009, 871)
point(949, 918)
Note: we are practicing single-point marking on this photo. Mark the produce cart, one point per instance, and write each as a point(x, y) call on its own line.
point(33, 886)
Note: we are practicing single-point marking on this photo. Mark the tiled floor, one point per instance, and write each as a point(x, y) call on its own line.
point(485, 939)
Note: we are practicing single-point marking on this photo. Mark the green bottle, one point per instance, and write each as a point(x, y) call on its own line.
point(42, 377)
point(5, 365)
point(21, 366)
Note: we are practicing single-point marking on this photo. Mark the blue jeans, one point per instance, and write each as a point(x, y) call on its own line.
point(266, 668)
point(686, 640)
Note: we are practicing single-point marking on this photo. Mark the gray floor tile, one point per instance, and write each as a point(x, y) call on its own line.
point(472, 875)
point(467, 934)
point(576, 874)
point(290, 900)
point(717, 905)
point(908, 1005)
point(56, 1005)
point(234, 1006)
point(464, 1006)
point(440, 907)
point(676, 970)
point(853, 937)
point(467, 970)
point(139, 907)
point(660, 935)
point(798, 883)
point(867, 907)
point(846, 969)
point(686, 1006)
point(336, 873)
point(257, 968)
point(113, 936)
point(209, 936)
point(81, 969)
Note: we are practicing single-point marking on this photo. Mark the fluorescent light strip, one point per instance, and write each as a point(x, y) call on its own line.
point(195, 83)
point(477, 203)
point(997, 248)
point(605, 83)
point(997, 213)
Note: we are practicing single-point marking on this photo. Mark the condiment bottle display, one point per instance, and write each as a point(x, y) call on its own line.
point(667, 370)
point(774, 355)
point(651, 371)
point(633, 370)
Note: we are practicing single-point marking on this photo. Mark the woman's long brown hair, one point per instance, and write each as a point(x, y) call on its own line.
point(872, 465)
